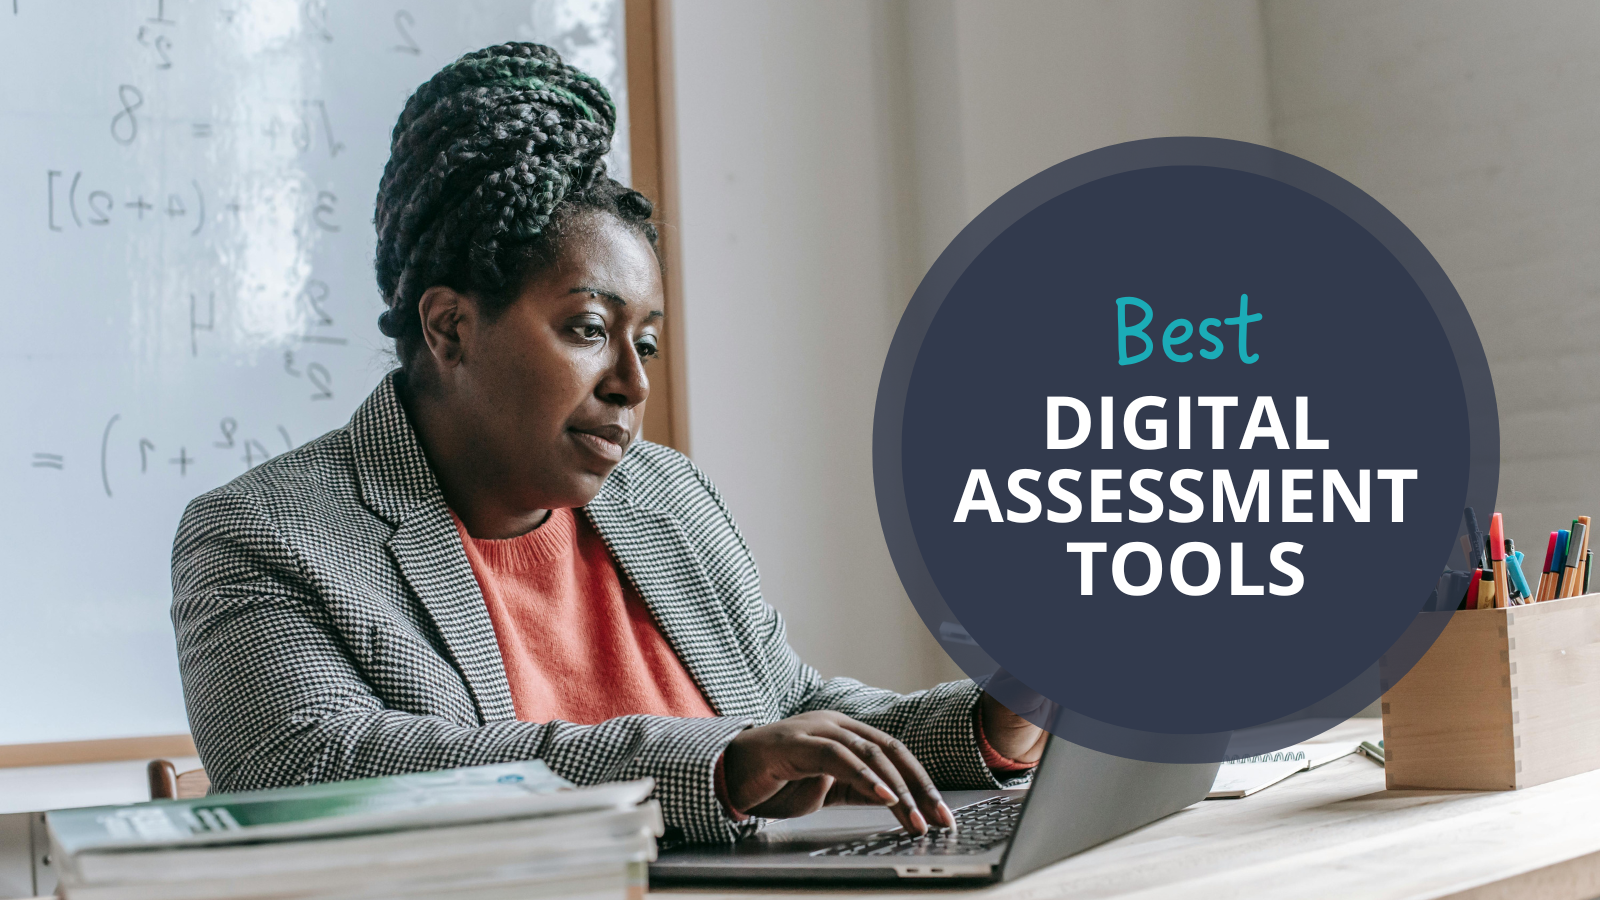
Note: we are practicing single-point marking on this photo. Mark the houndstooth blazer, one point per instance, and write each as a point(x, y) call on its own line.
point(330, 627)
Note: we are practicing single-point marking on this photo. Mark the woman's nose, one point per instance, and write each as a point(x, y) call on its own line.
point(626, 384)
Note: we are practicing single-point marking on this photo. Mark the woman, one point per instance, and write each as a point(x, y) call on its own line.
point(487, 565)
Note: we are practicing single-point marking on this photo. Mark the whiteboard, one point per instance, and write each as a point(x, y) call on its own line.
point(188, 187)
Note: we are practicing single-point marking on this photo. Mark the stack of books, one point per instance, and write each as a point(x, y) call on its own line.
point(510, 830)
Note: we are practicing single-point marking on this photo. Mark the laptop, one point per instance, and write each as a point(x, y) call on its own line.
point(1079, 798)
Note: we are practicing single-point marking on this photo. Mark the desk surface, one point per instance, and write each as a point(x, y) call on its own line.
point(1332, 832)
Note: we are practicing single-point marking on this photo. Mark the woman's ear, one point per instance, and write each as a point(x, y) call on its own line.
point(442, 311)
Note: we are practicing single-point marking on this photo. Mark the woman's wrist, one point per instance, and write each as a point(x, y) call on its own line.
point(719, 779)
point(993, 758)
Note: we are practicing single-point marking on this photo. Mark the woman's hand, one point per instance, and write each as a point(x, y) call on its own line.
point(1009, 734)
point(797, 765)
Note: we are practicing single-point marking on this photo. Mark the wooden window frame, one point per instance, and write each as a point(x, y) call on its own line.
point(651, 125)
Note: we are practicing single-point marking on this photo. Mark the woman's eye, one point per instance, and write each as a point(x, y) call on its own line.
point(589, 331)
point(647, 349)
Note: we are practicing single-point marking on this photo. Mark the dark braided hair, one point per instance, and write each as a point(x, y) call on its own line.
point(491, 161)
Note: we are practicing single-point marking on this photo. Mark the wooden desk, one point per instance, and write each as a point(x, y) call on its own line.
point(1332, 833)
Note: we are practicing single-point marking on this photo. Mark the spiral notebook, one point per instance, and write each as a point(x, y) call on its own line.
point(1243, 777)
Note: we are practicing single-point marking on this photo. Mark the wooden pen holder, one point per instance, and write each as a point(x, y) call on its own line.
point(1504, 699)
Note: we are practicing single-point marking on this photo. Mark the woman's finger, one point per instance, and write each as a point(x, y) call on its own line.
point(845, 795)
point(907, 810)
point(909, 772)
point(821, 755)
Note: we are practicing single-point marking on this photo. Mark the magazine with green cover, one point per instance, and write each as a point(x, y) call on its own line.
point(396, 802)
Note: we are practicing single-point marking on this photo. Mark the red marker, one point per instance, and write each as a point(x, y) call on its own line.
point(1472, 589)
point(1544, 577)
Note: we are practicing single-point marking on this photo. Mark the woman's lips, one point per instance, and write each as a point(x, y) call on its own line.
point(606, 444)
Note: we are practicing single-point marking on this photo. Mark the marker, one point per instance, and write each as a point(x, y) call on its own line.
point(1497, 560)
point(1562, 537)
point(1587, 557)
point(1556, 564)
point(1562, 547)
point(1544, 575)
point(1473, 587)
point(1569, 574)
point(1583, 572)
point(1519, 581)
point(1561, 564)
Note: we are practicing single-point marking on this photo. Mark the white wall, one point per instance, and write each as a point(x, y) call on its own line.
point(827, 152)
point(791, 280)
point(1477, 122)
point(1007, 88)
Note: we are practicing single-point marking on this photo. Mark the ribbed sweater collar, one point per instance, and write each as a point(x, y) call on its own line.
point(555, 537)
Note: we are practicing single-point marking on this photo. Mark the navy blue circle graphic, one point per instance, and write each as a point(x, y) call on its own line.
point(1172, 446)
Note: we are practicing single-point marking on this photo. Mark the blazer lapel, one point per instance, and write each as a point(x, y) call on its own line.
point(427, 548)
point(397, 484)
point(655, 554)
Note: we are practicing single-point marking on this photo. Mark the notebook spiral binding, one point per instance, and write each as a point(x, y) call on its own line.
point(1278, 756)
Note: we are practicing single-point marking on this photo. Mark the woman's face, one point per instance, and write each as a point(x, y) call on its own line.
point(552, 389)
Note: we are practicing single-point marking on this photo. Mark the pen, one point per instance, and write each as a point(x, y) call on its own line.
point(1544, 575)
point(1583, 550)
point(1519, 581)
point(1563, 548)
point(1486, 598)
point(1569, 574)
point(1587, 555)
point(1562, 537)
point(1561, 564)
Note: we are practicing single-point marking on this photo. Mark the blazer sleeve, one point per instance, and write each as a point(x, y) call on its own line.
point(937, 725)
point(274, 698)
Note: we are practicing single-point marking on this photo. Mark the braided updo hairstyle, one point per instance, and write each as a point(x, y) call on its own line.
point(492, 158)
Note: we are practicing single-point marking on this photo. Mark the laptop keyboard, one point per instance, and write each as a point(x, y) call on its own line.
point(978, 827)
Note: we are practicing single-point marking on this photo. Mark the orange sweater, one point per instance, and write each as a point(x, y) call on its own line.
point(579, 645)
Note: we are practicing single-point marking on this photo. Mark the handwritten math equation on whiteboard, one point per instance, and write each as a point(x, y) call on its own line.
point(188, 187)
